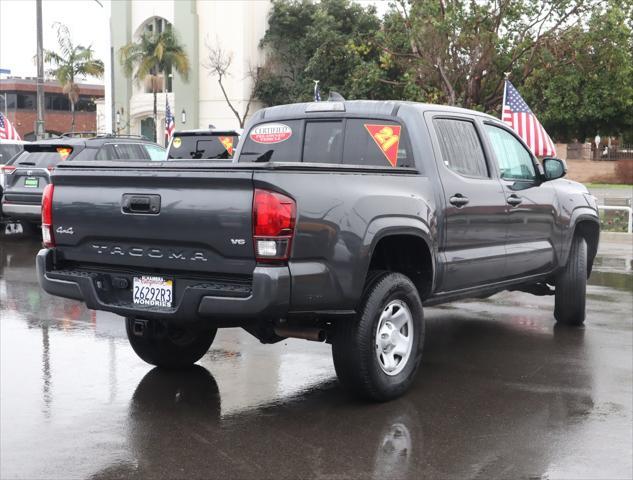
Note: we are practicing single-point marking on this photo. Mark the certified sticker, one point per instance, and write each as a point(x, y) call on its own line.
point(177, 142)
point(271, 133)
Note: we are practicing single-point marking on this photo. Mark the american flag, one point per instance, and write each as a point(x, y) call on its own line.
point(170, 124)
point(7, 132)
point(520, 118)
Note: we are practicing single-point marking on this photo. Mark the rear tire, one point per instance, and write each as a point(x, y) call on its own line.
point(377, 354)
point(170, 346)
point(571, 286)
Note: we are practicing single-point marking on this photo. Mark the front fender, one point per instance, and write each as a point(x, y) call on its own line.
point(579, 214)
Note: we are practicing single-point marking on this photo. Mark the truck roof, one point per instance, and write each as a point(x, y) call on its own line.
point(365, 107)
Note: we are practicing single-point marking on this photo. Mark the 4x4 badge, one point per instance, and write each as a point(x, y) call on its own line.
point(67, 231)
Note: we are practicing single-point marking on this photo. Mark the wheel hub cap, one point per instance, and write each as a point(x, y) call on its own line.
point(394, 337)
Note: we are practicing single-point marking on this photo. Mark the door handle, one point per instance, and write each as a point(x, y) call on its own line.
point(459, 200)
point(514, 200)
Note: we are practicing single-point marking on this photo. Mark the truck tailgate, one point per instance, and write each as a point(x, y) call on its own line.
point(165, 219)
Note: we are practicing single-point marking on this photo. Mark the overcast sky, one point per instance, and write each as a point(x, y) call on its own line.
point(88, 23)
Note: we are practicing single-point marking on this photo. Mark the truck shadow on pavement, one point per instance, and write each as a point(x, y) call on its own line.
point(491, 400)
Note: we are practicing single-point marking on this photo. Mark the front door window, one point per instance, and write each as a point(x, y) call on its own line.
point(515, 162)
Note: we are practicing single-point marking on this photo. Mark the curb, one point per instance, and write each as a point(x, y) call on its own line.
point(616, 237)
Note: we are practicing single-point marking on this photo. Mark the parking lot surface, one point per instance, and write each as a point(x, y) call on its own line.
point(502, 393)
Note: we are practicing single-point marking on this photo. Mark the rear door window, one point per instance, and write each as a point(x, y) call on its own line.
point(155, 152)
point(207, 147)
point(323, 142)
point(106, 152)
point(378, 143)
point(130, 151)
point(278, 141)
point(461, 148)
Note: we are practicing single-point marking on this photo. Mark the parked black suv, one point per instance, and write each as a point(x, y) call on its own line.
point(26, 175)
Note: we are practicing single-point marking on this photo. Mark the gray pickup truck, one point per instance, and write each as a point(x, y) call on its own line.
point(336, 221)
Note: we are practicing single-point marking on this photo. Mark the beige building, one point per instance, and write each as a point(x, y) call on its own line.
point(235, 25)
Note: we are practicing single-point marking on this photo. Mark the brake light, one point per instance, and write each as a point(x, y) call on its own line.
point(8, 169)
point(47, 216)
point(274, 218)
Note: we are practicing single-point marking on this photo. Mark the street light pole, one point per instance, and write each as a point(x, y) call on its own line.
point(39, 124)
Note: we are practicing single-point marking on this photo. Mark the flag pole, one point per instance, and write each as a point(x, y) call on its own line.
point(505, 85)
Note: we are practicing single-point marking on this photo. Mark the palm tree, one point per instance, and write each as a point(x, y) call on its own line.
point(152, 55)
point(71, 61)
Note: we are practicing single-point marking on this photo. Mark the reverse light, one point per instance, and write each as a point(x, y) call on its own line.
point(274, 216)
point(47, 216)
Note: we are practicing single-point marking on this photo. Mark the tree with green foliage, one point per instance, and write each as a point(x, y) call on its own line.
point(571, 59)
point(70, 62)
point(308, 41)
point(584, 85)
point(151, 57)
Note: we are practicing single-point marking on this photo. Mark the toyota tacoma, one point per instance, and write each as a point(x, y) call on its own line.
point(335, 222)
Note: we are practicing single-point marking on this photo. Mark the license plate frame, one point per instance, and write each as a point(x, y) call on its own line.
point(153, 291)
point(32, 182)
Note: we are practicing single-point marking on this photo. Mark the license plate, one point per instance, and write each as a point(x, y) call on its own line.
point(153, 291)
point(32, 182)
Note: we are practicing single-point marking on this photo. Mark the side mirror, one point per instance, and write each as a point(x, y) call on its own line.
point(554, 168)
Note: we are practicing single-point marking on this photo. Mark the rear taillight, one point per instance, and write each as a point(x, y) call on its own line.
point(47, 216)
point(274, 218)
point(8, 169)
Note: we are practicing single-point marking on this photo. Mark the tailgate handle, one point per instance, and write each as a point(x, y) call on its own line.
point(135, 203)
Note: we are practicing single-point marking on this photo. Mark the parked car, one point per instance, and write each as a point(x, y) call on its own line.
point(27, 174)
point(8, 150)
point(207, 144)
point(337, 221)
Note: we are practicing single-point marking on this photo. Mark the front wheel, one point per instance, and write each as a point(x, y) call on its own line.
point(377, 354)
point(571, 286)
point(166, 345)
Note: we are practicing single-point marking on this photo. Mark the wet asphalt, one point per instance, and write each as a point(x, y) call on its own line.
point(502, 393)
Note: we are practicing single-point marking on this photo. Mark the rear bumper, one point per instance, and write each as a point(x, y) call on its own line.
point(268, 296)
point(22, 211)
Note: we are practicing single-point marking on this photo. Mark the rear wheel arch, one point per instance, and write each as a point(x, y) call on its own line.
point(407, 252)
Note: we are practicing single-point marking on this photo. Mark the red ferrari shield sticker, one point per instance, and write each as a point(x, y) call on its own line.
point(387, 138)
point(271, 133)
point(227, 142)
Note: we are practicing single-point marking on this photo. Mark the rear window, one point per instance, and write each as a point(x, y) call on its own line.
point(274, 141)
point(8, 151)
point(41, 159)
point(349, 141)
point(323, 142)
point(377, 142)
point(207, 147)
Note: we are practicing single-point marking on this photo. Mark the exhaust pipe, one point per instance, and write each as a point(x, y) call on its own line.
point(306, 333)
